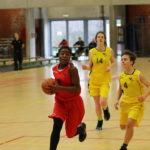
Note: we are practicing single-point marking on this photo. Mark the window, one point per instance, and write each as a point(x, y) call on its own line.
point(93, 27)
point(58, 32)
point(107, 32)
point(118, 23)
point(73, 29)
point(76, 30)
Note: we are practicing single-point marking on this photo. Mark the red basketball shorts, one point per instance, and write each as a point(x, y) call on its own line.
point(71, 112)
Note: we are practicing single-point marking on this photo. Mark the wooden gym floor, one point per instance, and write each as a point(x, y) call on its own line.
point(24, 108)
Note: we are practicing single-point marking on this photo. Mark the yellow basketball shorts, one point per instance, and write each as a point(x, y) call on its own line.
point(101, 90)
point(133, 111)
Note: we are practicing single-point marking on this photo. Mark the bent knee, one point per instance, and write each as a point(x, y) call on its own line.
point(130, 125)
point(122, 127)
point(70, 134)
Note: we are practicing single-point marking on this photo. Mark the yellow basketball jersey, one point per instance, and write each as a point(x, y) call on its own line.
point(131, 86)
point(100, 60)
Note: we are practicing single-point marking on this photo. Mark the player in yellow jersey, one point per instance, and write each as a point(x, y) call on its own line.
point(131, 96)
point(101, 60)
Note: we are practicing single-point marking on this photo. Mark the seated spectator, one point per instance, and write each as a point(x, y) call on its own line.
point(80, 45)
point(92, 44)
point(64, 42)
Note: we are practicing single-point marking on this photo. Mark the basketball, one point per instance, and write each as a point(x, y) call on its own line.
point(45, 85)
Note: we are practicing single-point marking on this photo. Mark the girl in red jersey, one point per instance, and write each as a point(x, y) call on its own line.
point(68, 107)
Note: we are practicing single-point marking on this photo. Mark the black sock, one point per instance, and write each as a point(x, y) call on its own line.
point(125, 145)
point(105, 108)
point(55, 135)
point(99, 123)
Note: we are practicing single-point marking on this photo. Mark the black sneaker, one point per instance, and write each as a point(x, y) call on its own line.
point(106, 114)
point(99, 125)
point(82, 132)
point(123, 148)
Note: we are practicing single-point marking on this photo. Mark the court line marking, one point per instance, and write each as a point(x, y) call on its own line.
point(19, 80)
point(20, 106)
point(43, 121)
point(64, 136)
point(118, 139)
point(15, 139)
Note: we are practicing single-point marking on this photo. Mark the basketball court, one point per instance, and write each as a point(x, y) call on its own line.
point(24, 108)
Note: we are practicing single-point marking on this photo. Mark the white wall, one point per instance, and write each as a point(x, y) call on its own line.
point(75, 12)
point(84, 12)
point(5, 4)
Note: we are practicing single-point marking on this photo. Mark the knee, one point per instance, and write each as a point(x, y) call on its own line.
point(103, 102)
point(70, 135)
point(122, 127)
point(130, 125)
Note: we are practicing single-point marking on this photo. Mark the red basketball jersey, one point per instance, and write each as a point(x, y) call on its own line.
point(63, 77)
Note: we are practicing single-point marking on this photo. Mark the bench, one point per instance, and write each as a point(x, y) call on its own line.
point(29, 60)
point(10, 61)
point(40, 60)
point(5, 61)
